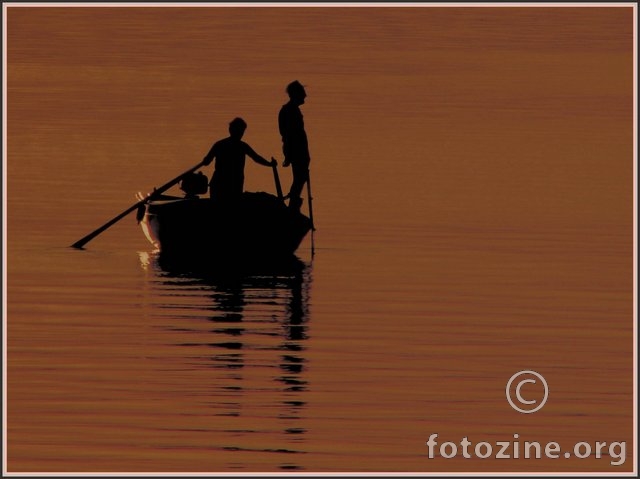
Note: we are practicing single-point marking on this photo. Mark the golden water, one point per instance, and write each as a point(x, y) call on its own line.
point(473, 182)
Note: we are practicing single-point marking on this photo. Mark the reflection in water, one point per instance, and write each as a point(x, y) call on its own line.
point(252, 323)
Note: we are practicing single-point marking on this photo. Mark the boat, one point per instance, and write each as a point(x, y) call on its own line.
point(259, 226)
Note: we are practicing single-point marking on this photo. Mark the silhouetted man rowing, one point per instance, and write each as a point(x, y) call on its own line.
point(227, 181)
point(294, 141)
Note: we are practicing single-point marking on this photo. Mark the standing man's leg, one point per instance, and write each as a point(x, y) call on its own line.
point(300, 177)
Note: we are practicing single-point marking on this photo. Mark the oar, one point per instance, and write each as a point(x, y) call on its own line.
point(276, 178)
point(80, 243)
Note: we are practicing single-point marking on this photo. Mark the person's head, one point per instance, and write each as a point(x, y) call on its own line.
point(237, 128)
point(296, 92)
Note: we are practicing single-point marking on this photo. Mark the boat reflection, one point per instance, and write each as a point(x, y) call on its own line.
point(251, 321)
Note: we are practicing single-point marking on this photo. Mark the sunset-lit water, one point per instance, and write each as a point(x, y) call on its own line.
point(473, 192)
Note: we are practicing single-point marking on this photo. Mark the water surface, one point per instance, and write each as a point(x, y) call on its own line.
point(473, 184)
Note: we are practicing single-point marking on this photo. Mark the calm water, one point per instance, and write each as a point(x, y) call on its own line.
point(473, 181)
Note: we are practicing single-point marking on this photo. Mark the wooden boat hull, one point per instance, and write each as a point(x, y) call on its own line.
point(258, 226)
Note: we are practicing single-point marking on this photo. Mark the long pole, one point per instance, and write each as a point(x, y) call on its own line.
point(81, 242)
point(276, 178)
point(313, 225)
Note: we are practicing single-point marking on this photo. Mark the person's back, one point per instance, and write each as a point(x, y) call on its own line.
point(227, 181)
point(228, 175)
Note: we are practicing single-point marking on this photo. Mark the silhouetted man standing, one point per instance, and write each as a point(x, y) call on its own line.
point(294, 142)
point(227, 181)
